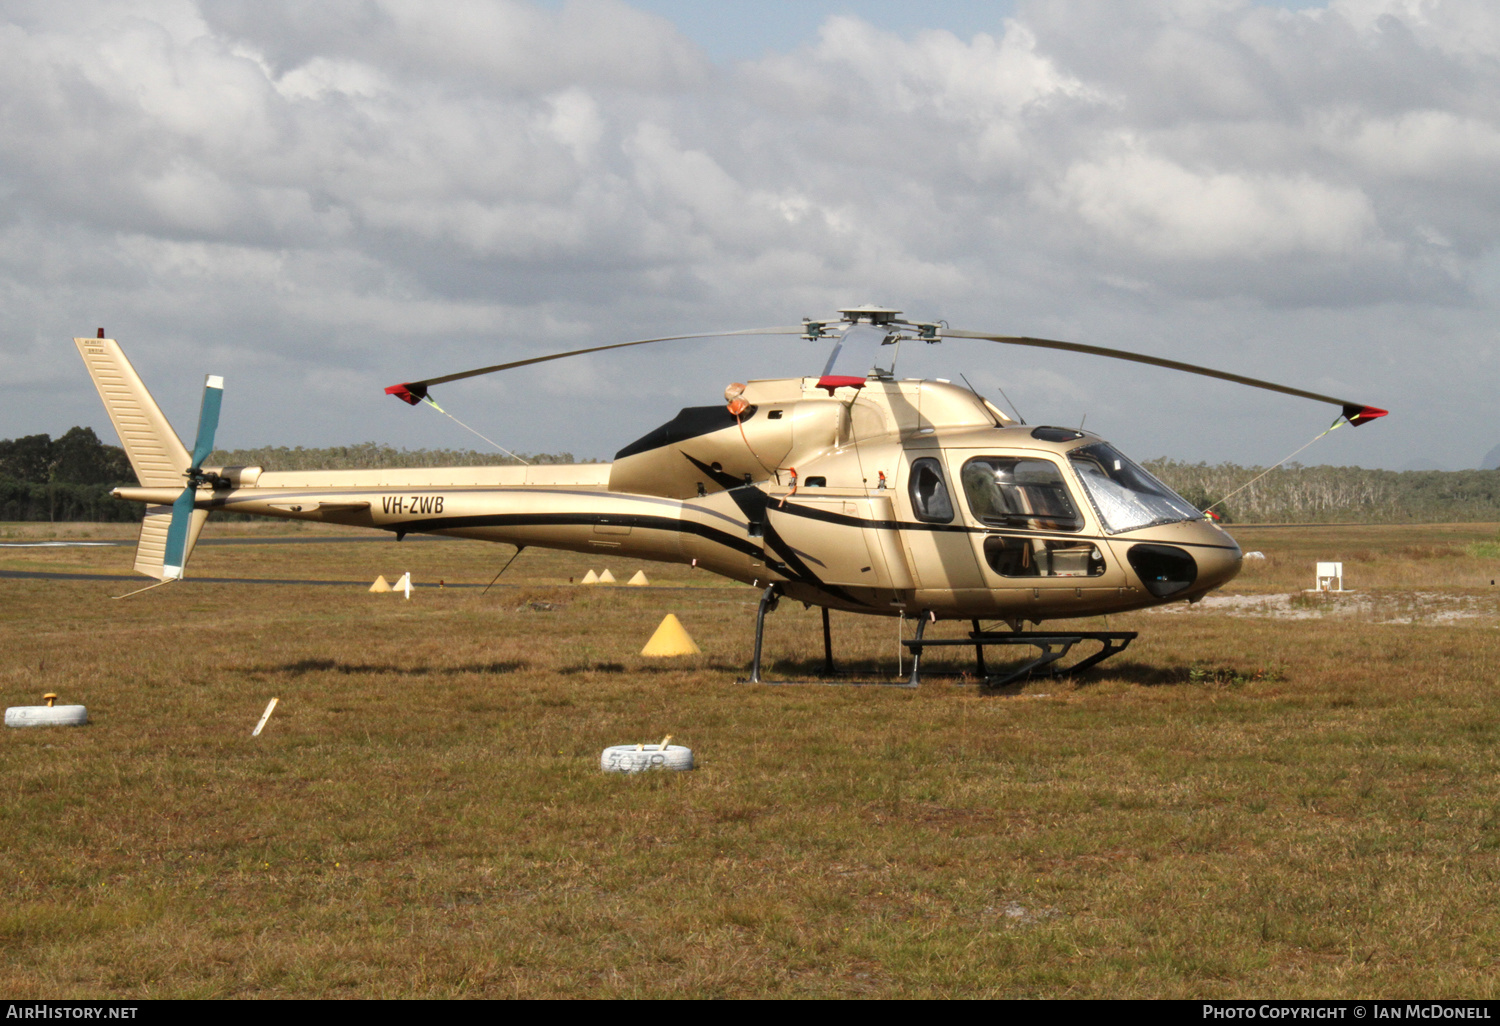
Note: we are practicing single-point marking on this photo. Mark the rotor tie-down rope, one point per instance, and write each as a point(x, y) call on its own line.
point(1338, 422)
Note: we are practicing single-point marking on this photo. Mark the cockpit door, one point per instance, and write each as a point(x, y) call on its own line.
point(1037, 541)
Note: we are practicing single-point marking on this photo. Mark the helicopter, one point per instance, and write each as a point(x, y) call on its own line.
point(864, 493)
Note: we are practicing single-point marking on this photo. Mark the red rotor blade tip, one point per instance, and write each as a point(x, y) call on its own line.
point(407, 393)
point(1358, 415)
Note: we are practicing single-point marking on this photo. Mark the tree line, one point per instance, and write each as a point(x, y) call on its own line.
point(70, 478)
point(67, 478)
point(1296, 494)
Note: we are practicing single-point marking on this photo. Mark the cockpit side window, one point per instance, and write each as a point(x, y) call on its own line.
point(1004, 491)
point(929, 492)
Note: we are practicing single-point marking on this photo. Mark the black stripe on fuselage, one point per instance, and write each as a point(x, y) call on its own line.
point(718, 477)
point(712, 534)
point(829, 516)
point(313, 494)
point(790, 564)
point(753, 503)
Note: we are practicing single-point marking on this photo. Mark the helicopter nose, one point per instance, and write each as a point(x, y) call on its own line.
point(1220, 565)
point(1193, 560)
point(1218, 557)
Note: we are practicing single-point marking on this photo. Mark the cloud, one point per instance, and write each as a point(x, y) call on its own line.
point(504, 45)
point(295, 189)
point(1158, 207)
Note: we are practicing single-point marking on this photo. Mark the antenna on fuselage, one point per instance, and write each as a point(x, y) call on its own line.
point(1013, 407)
point(984, 403)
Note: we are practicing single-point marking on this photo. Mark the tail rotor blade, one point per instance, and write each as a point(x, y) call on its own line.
point(175, 556)
point(208, 421)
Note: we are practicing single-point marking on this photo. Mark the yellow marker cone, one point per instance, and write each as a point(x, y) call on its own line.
point(381, 584)
point(606, 577)
point(591, 578)
point(639, 580)
point(670, 639)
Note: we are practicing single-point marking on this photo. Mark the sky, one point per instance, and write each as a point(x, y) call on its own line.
point(318, 200)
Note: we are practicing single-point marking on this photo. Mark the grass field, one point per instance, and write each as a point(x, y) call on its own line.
point(1270, 794)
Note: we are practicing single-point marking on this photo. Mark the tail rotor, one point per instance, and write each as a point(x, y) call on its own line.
point(175, 556)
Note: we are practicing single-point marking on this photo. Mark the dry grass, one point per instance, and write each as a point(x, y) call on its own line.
point(1244, 804)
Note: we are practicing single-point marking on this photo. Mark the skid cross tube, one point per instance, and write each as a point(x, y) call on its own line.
point(769, 599)
point(1054, 645)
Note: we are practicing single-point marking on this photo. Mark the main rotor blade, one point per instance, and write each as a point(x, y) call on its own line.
point(208, 419)
point(414, 391)
point(1357, 413)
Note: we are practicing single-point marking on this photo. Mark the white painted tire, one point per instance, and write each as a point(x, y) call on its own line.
point(629, 759)
point(46, 716)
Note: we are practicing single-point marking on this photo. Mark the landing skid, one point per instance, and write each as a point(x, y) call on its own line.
point(1053, 645)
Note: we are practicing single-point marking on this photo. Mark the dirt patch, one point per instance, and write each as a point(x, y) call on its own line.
point(1418, 608)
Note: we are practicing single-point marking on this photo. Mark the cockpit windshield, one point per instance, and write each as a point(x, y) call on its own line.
point(1126, 496)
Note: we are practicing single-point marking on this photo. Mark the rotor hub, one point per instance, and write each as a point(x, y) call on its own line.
point(870, 314)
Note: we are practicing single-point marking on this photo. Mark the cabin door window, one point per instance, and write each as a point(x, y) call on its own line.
point(929, 492)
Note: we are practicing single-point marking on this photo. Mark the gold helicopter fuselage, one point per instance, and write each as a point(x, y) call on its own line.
point(870, 495)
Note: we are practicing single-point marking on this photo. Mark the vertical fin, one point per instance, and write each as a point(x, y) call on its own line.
point(157, 455)
point(151, 549)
